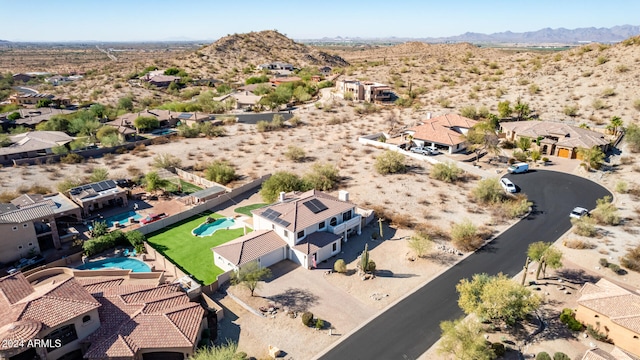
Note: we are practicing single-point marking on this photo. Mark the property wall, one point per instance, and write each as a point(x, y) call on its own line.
point(213, 306)
point(197, 180)
point(622, 337)
point(17, 243)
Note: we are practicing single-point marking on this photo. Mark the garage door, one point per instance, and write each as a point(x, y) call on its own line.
point(563, 153)
point(577, 155)
point(273, 257)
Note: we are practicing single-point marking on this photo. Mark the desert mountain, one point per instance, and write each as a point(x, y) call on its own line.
point(254, 48)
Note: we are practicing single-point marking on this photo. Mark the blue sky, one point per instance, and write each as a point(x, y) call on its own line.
point(136, 20)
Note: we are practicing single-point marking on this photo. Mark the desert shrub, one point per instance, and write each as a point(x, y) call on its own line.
point(319, 324)
point(584, 226)
point(136, 239)
point(561, 356)
point(605, 212)
point(371, 266)
point(210, 130)
point(104, 242)
point(498, 349)
point(307, 318)
point(281, 181)
point(447, 172)
point(631, 260)
point(608, 92)
point(601, 60)
point(579, 244)
point(166, 161)
point(567, 317)
point(401, 220)
point(464, 236)
point(323, 176)
point(60, 150)
point(390, 162)
point(469, 112)
point(594, 333)
point(571, 110)
point(614, 267)
point(144, 123)
point(520, 156)
point(220, 172)
point(295, 153)
point(99, 174)
point(603, 262)
point(420, 244)
point(340, 266)
point(543, 356)
point(189, 131)
point(72, 158)
point(488, 191)
point(622, 187)
point(516, 207)
point(295, 121)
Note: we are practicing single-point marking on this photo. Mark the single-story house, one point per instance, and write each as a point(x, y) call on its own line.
point(243, 100)
point(325, 71)
point(284, 79)
point(555, 138)
point(613, 311)
point(163, 80)
point(444, 132)
point(166, 118)
point(97, 195)
point(108, 314)
point(22, 77)
point(311, 226)
point(33, 144)
point(33, 117)
point(276, 66)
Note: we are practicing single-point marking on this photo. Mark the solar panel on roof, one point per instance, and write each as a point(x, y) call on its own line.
point(96, 187)
point(315, 206)
point(281, 222)
point(185, 116)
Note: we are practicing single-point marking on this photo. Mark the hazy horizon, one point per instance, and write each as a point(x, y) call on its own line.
point(192, 20)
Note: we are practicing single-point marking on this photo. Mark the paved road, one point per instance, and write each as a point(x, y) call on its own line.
point(410, 327)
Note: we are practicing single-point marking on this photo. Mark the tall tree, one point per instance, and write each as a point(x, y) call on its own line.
point(522, 110)
point(592, 158)
point(250, 275)
point(545, 254)
point(482, 137)
point(524, 143)
point(463, 339)
point(616, 124)
point(504, 109)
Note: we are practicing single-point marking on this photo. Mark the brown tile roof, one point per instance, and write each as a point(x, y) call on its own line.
point(51, 304)
point(440, 129)
point(19, 331)
point(152, 318)
point(316, 241)
point(14, 288)
point(568, 135)
point(34, 141)
point(250, 247)
point(616, 354)
point(294, 211)
point(618, 304)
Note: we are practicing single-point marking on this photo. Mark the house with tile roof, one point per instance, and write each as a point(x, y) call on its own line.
point(555, 138)
point(613, 311)
point(446, 132)
point(243, 100)
point(306, 228)
point(95, 196)
point(106, 314)
point(615, 354)
point(33, 144)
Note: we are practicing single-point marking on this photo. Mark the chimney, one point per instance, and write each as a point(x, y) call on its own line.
point(281, 197)
point(343, 195)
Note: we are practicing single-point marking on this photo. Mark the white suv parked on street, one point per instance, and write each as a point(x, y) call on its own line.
point(507, 185)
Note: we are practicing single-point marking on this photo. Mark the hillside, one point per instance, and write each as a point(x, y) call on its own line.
point(243, 50)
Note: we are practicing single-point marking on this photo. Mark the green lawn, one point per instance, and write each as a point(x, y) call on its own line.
point(191, 253)
point(246, 210)
point(188, 187)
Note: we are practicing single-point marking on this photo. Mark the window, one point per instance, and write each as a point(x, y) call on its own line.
point(321, 225)
point(65, 334)
point(334, 247)
point(333, 221)
point(30, 244)
point(25, 225)
point(15, 228)
point(86, 319)
point(286, 234)
point(273, 227)
point(19, 247)
point(346, 216)
point(301, 234)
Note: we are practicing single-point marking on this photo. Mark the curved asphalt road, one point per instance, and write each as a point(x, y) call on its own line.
point(409, 328)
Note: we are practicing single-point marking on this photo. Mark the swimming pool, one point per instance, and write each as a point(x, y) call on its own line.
point(208, 229)
point(123, 218)
point(163, 132)
point(117, 263)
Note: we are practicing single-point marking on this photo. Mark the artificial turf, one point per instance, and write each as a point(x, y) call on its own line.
point(188, 187)
point(191, 253)
point(246, 210)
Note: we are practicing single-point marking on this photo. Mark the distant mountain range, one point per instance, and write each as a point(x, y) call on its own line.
point(547, 35)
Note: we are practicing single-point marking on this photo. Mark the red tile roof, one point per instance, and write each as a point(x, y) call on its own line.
point(440, 129)
point(618, 304)
point(250, 247)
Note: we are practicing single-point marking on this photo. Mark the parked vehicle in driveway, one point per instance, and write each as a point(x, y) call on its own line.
point(507, 185)
point(433, 150)
point(578, 212)
point(25, 264)
point(421, 150)
point(518, 168)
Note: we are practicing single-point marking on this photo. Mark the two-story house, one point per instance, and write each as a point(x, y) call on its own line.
point(364, 90)
point(21, 228)
point(306, 228)
point(446, 132)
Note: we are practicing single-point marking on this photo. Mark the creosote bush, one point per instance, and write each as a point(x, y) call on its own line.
point(340, 266)
point(605, 212)
point(307, 318)
point(447, 172)
point(585, 226)
point(295, 153)
point(390, 162)
point(631, 260)
point(464, 236)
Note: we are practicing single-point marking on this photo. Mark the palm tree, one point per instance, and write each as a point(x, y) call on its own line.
point(616, 123)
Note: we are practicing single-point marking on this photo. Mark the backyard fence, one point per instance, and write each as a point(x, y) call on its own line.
point(197, 180)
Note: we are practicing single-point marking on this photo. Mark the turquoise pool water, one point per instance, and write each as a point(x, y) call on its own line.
point(118, 263)
point(208, 229)
point(123, 218)
point(163, 132)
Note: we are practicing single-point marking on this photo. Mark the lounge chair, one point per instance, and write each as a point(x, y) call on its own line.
point(125, 252)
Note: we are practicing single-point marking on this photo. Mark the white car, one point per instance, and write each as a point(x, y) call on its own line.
point(507, 185)
point(578, 212)
point(433, 150)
